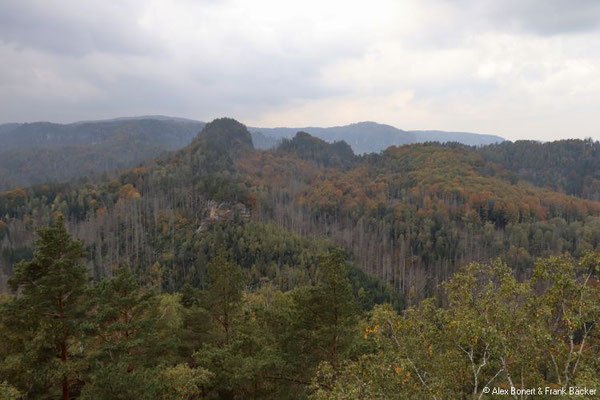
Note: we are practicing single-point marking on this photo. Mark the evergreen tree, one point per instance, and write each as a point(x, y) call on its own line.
point(7, 392)
point(48, 314)
point(331, 308)
point(222, 302)
point(126, 348)
point(322, 323)
point(224, 296)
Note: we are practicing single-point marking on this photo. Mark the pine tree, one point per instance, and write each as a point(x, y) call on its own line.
point(324, 319)
point(126, 348)
point(48, 312)
point(224, 296)
point(332, 304)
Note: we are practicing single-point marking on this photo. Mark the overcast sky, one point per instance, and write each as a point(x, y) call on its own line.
point(516, 68)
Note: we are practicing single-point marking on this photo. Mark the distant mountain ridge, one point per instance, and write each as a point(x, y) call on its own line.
point(170, 133)
point(467, 138)
point(372, 137)
point(41, 152)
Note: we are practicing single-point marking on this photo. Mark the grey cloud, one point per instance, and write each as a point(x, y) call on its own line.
point(543, 17)
point(220, 71)
point(224, 60)
point(72, 28)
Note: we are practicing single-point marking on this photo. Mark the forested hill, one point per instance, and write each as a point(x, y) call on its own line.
point(569, 166)
point(45, 152)
point(307, 147)
point(169, 132)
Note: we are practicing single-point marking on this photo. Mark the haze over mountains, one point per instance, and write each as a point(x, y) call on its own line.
point(371, 137)
point(48, 152)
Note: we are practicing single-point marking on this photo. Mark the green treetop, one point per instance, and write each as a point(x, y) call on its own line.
point(48, 312)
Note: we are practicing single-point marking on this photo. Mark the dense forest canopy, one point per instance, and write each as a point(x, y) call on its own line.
point(570, 166)
point(305, 271)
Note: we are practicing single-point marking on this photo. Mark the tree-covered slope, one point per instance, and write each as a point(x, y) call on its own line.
point(307, 147)
point(414, 213)
point(170, 133)
point(570, 166)
point(43, 152)
point(169, 220)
